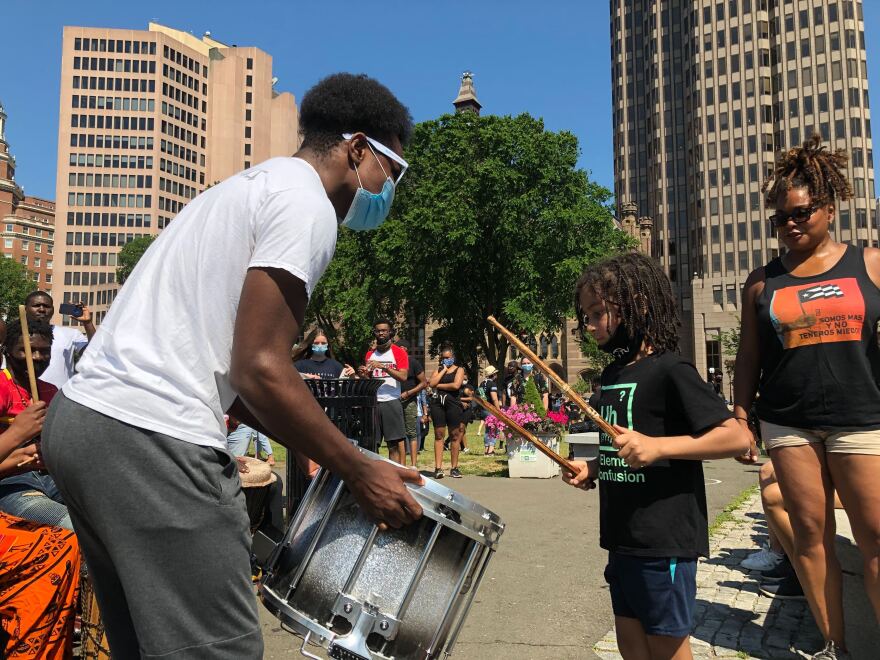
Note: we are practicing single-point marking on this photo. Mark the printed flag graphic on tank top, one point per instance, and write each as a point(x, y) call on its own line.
point(818, 313)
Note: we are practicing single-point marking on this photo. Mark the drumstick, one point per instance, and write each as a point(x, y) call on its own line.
point(565, 387)
point(30, 459)
point(28, 356)
point(552, 455)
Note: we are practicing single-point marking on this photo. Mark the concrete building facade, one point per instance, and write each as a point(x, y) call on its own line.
point(704, 93)
point(148, 119)
point(27, 223)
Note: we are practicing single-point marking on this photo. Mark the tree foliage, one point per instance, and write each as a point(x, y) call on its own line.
point(492, 218)
point(129, 256)
point(16, 282)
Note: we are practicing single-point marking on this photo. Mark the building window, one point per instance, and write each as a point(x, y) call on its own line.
point(249, 81)
point(731, 295)
point(250, 63)
point(713, 354)
point(717, 296)
point(7, 243)
point(249, 97)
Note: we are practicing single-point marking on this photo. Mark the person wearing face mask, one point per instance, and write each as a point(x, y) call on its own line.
point(192, 337)
point(447, 411)
point(317, 359)
point(389, 362)
point(27, 491)
point(527, 373)
point(652, 499)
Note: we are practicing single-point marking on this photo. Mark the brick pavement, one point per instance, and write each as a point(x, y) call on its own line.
point(733, 620)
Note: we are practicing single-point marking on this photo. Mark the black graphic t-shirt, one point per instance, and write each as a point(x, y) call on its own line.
point(660, 510)
point(326, 368)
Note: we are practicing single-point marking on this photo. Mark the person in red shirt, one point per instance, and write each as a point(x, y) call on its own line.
point(41, 563)
point(27, 491)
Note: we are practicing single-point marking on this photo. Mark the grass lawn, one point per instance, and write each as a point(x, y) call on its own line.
point(474, 462)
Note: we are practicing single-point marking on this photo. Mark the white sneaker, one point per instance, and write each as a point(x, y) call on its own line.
point(764, 559)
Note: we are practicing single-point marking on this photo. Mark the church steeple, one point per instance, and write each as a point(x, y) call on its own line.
point(466, 101)
point(2, 123)
point(7, 163)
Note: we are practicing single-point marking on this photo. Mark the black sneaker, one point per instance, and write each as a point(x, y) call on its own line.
point(438, 473)
point(781, 572)
point(785, 589)
point(455, 473)
point(831, 652)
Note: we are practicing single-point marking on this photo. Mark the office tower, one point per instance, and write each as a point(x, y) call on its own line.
point(28, 222)
point(148, 119)
point(704, 94)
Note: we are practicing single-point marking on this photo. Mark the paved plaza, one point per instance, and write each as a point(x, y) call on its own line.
point(544, 597)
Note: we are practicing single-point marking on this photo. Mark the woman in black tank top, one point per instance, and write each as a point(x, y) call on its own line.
point(447, 411)
point(808, 349)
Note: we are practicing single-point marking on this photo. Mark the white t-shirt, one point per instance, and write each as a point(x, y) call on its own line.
point(161, 358)
point(65, 343)
point(396, 358)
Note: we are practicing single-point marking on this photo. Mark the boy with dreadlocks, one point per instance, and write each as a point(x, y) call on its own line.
point(653, 519)
point(808, 345)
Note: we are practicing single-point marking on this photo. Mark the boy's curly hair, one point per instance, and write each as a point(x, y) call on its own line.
point(642, 292)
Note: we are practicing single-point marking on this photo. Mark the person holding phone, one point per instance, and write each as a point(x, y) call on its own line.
point(67, 343)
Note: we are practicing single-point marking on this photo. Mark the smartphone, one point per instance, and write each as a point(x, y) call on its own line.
point(71, 310)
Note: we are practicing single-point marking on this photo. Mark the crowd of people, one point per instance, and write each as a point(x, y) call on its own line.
point(138, 447)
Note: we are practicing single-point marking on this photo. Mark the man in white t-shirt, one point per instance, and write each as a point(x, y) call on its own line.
point(391, 363)
point(203, 327)
point(66, 342)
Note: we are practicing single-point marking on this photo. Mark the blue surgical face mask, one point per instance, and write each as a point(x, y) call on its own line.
point(527, 368)
point(368, 210)
point(319, 348)
point(448, 362)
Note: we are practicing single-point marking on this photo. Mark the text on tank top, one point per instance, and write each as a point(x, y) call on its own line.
point(820, 362)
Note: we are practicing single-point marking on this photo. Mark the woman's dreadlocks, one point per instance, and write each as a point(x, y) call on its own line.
point(640, 289)
point(809, 166)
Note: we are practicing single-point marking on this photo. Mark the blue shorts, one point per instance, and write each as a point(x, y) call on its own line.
point(659, 592)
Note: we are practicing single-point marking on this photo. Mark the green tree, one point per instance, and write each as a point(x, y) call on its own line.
point(493, 218)
point(351, 296)
point(16, 282)
point(130, 254)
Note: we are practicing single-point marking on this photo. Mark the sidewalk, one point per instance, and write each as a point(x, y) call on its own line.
point(733, 620)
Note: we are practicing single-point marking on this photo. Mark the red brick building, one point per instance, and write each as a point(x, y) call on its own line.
point(27, 223)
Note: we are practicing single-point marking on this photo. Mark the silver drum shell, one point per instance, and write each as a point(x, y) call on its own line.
point(361, 593)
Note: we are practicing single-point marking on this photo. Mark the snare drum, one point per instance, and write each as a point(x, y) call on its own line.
point(93, 639)
point(336, 580)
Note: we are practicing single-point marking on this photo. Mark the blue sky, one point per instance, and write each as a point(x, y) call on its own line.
point(548, 58)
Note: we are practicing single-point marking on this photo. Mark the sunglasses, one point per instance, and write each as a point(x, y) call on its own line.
point(799, 216)
point(388, 153)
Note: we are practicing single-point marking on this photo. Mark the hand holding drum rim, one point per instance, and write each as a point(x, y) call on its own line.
point(380, 489)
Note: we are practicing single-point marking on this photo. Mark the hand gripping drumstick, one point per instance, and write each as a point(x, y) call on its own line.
point(552, 455)
point(565, 387)
point(29, 358)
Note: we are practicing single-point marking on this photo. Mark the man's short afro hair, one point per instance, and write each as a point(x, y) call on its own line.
point(348, 103)
point(35, 328)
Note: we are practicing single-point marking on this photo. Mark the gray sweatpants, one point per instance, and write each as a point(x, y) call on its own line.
point(164, 530)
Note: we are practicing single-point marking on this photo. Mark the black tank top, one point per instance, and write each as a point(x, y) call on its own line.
point(447, 379)
point(820, 362)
